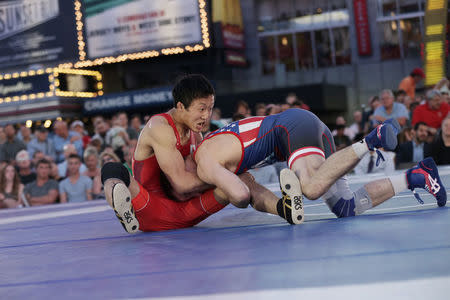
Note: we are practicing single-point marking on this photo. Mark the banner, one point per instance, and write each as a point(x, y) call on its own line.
point(362, 27)
point(36, 31)
point(128, 26)
point(24, 86)
point(123, 101)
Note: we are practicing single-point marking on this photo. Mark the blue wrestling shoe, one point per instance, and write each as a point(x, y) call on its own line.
point(425, 175)
point(383, 136)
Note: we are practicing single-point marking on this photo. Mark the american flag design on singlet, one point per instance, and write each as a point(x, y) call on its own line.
point(258, 145)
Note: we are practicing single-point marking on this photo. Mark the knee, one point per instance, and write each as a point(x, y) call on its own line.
point(313, 191)
point(240, 199)
point(344, 208)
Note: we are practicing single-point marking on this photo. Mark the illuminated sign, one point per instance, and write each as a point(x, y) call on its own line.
point(50, 82)
point(116, 31)
point(435, 45)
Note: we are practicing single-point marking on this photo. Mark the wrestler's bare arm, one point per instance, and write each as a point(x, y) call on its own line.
point(162, 140)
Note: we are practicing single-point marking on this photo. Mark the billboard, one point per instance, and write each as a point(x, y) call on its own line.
point(116, 27)
point(36, 31)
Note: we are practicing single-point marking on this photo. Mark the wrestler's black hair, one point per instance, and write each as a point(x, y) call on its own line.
point(191, 87)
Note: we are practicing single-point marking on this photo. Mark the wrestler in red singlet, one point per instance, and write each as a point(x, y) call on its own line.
point(154, 210)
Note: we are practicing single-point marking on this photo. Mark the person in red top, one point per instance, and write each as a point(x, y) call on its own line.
point(408, 84)
point(144, 202)
point(432, 112)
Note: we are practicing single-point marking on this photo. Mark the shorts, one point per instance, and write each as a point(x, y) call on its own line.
point(303, 134)
point(156, 212)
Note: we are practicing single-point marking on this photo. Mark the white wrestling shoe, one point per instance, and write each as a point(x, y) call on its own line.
point(290, 189)
point(121, 201)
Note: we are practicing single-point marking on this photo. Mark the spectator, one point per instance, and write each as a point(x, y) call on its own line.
point(43, 190)
point(101, 128)
point(23, 162)
point(341, 121)
point(400, 96)
point(340, 139)
point(367, 165)
point(76, 187)
point(117, 136)
point(390, 110)
point(41, 143)
point(122, 121)
point(216, 118)
point(12, 144)
point(356, 127)
point(242, 108)
point(432, 112)
point(443, 86)
point(91, 160)
point(294, 101)
point(272, 109)
point(284, 107)
point(108, 156)
point(78, 126)
point(25, 134)
point(136, 123)
point(63, 137)
point(440, 148)
point(2, 135)
point(416, 150)
point(374, 103)
point(405, 135)
point(408, 84)
point(260, 109)
point(69, 149)
point(10, 188)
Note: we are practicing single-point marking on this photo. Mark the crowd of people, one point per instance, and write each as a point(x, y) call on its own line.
point(62, 163)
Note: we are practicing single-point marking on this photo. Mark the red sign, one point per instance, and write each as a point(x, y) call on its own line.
point(362, 27)
point(234, 58)
point(233, 36)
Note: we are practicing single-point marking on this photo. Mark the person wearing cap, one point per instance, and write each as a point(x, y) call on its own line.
point(12, 145)
point(432, 112)
point(41, 143)
point(408, 84)
point(78, 126)
point(23, 162)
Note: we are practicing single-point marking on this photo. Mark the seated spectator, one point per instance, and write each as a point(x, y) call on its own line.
point(260, 109)
point(443, 86)
point(356, 127)
point(272, 109)
point(410, 153)
point(10, 188)
point(63, 137)
point(340, 121)
point(2, 135)
point(242, 108)
point(405, 135)
point(400, 96)
point(390, 110)
point(440, 147)
point(293, 100)
point(122, 120)
point(23, 162)
point(43, 190)
point(69, 149)
point(41, 143)
point(216, 118)
point(432, 112)
point(91, 160)
point(78, 126)
point(136, 123)
point(340, 139)
point(108, 156)
point(374, 103)
point(12, 145)
point(367, 165)
point(76, 187)
point(24, 134)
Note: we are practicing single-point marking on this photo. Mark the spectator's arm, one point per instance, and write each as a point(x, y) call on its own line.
point(50, 198)
point(441, 83)
point(63, 197)
point(402, 121)
point(89, 194)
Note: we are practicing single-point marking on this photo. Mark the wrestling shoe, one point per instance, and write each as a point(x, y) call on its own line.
point(425, 175)
point(292, 198)
point(383, 136)
point(121, 201)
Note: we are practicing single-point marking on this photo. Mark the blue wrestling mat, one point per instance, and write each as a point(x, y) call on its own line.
point(398, 250)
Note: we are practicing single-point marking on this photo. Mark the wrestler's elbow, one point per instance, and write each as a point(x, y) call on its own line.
point(240, 197)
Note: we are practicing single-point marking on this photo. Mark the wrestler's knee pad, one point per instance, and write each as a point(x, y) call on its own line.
point(115, 170)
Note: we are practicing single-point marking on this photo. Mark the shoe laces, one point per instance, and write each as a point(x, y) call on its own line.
point(380, 157)
point(417, 196)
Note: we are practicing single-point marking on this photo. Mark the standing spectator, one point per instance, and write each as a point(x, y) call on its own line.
point(69, 149)
point(432, 112)
point(78, 126)
point(43, 190)
point(408, 84)
point(10, 188)
point(76, 187)
point(41, 143)
point(390, 110)
point(23, 162)
point(440, 147)
point(63, 137)
point(415, 150)
point(25, 134)
point(12, 144)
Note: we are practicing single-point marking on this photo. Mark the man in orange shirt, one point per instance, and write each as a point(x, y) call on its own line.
point(408, 84)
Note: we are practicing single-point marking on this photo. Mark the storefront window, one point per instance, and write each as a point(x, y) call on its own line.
point(304, 50)
point(286, 51)
point(268, 54)
point(412, 37)
point(389, 40)
point(408, 6)
point(387, 7)
point(323, 50)
point(341, 45)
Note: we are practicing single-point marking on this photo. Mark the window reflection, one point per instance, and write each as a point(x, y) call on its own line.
point(286, 52)
point(304, 50)
point(389, 40)
point(341, 45)
point(408, 6)
point(322, 39)
point(268, 54)
point(412, 38)
point(387, 7)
